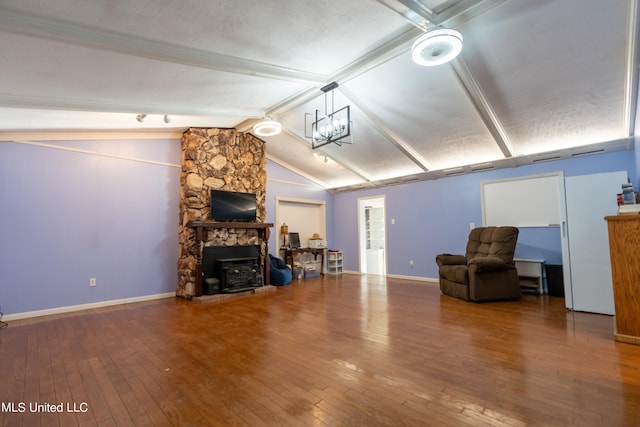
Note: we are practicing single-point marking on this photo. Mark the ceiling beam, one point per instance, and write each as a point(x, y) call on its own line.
point(464, 10)
point(482, 105)
point(417, 15)
point(347, 165)
point(452, 13)
point(82, 35)
point(386, 131)
point(387, 51)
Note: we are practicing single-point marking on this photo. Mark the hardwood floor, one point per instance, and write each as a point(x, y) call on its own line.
point(327, 351)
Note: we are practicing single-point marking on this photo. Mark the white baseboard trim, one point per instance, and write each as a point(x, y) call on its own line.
point(79, 307)
point(429, 280)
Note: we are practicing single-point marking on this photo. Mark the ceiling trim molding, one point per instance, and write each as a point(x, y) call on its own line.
point(482, 105)
point(92, 105)
point(60, 30)
point(624, 144)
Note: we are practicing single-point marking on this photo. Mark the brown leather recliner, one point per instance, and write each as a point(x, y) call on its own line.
point(487, 271)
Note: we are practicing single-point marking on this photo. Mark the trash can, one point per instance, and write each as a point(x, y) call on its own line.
point(555, 282)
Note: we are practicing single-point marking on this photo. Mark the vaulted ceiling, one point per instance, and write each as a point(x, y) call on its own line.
point(536, 80)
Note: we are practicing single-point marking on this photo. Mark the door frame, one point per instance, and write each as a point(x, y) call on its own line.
point(361, 202)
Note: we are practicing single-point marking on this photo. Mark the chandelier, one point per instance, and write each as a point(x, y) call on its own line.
point(334, 126)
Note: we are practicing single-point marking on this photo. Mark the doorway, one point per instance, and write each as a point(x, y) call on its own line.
point(303, 216)
point(372, 237)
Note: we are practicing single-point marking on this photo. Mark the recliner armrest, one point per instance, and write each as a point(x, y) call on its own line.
point(482, 264)
point(448, 259)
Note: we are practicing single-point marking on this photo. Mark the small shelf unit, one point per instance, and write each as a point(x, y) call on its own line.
point(531, 275)
point(334, 262)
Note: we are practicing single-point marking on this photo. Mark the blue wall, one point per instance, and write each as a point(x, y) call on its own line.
point(110, 211)
point(433, 217)
point(67, 216)
point(103, 209)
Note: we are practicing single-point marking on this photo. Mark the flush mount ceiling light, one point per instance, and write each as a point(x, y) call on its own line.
point(436, 46)
point(267, 127)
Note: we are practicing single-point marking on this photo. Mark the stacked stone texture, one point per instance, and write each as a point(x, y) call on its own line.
point(220, 159)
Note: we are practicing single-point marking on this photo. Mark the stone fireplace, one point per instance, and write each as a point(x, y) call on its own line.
point(221, 159)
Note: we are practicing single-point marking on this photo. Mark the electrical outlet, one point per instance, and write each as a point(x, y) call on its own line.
point(472, 225)
point(92, 281)
point(411, 263)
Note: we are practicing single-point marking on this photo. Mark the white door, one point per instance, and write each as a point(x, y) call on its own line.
point(589, 199)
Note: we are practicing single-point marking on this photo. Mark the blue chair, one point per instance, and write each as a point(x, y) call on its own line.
point(280, 272)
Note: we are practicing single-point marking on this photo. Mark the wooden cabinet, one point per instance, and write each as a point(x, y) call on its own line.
point(624, 247)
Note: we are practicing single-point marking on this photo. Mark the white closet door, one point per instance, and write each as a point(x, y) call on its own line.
point(589, 199)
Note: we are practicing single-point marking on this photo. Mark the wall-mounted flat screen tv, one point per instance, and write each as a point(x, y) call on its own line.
point(233, 206)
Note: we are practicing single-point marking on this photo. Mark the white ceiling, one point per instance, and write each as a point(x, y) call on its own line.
point(535, 80)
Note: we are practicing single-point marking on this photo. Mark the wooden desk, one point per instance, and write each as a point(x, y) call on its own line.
point(290, 254)
point(624, 243)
